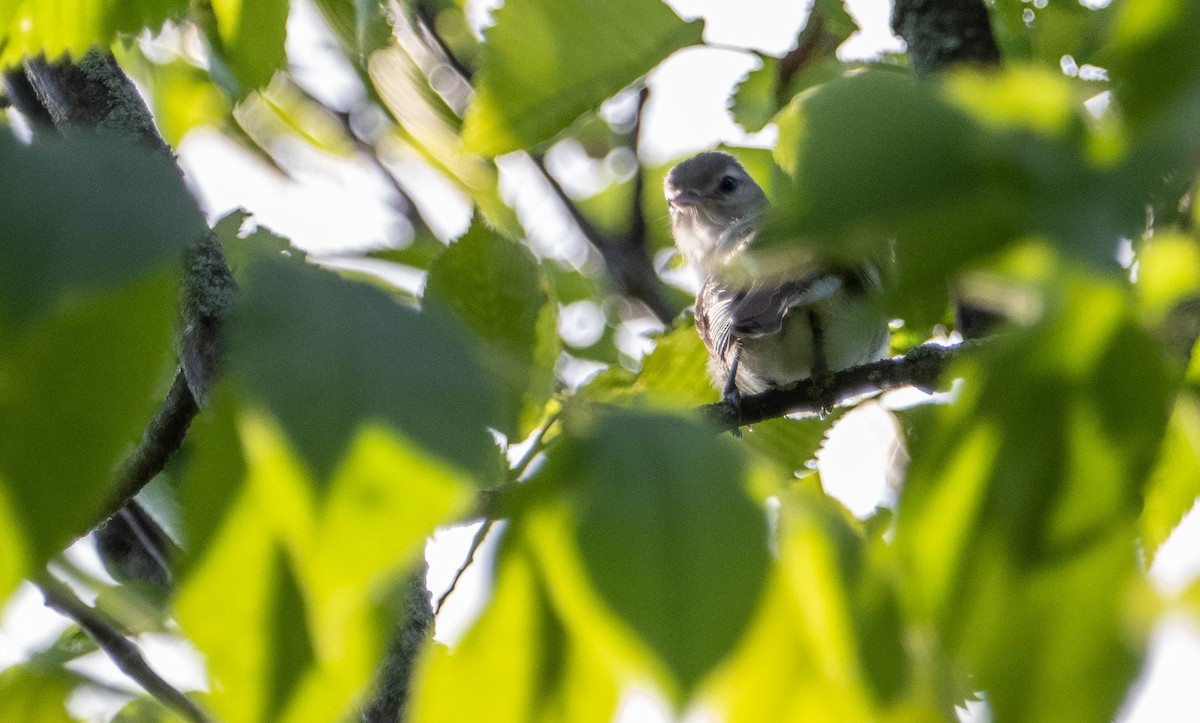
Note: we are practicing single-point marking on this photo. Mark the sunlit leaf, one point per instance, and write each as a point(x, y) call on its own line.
point(33, 27)
point(647, 491)
point(518, 661)
point(282, 111)
point(146, 710)
point(431, 128)
point(182, 95)
point(305, 638)
point(673, 376)
point(35, 695)
point(361, 26)
point(828, 643)
point(1017, 518)
point(1022, 97)
point(546, 62)
point(249, 38)
point(1174, 485)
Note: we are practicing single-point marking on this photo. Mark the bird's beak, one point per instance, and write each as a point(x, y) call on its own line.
point(683, 200)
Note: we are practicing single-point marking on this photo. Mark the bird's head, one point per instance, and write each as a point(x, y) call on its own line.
point(713, 202)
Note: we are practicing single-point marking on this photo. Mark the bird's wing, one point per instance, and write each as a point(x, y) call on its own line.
point(713, 319)
point(760, 309)
point(725, 312)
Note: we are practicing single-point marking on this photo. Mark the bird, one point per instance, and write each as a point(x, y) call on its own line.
point(804, 318)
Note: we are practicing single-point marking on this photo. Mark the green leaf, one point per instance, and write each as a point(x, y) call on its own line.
point(494, 286)
point(1174, 485)
point(361, 26)
point(1017, 519)
point(546, 62)
point(648, 491)
point(1154, 55)
point(304, 638)
point(87, 302)
point(31, 27)
point(760, 95)
point(182, 95)
point(146, 710)
point(673, 376)
point(518, 661)
point(1045, 33)
point(827, 643)
point(242, 249)
point(241, 608)
point(282, 112)
point(875, 157)
point(35, 695)
point(326, 355)
point(792, 443)
point(420, 253)
point(755, 101)
point(431, 128)
point(75, 219)
point(249, 38)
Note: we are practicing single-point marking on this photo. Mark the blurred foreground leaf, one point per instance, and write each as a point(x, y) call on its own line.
point(518, 660)
point(290, 590)
point(631, 535)
point(326, 355)
point(1018, 517)
point(30, 27)
point(89, 267)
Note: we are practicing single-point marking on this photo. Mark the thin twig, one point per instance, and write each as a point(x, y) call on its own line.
point(629, 268)
point(535, 448)
point(427, 22)
point(122, 651)
point(476, 543)
point(371, 151)
point(628, 263)
point(636, 235)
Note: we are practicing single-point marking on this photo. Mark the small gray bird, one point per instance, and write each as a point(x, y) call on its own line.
point(805, 319)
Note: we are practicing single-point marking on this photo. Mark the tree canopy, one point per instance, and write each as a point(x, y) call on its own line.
point(295, 431)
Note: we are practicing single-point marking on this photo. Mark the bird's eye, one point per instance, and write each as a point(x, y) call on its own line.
point(727, 184)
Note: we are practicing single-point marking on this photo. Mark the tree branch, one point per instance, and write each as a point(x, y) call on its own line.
point(626, 258)
point(629, 266)
point(476, 543)
point(122, 651)
point(371, 152)
point(943, 32)
point(94, 93)
point(427, 22)
point(390, 700)
point(921, 367)
point(159, 442)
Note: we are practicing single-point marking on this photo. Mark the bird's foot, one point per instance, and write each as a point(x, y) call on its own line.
point(822, 380)
point(732, 399)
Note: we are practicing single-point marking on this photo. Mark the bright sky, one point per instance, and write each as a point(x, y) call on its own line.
point(331, 206)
